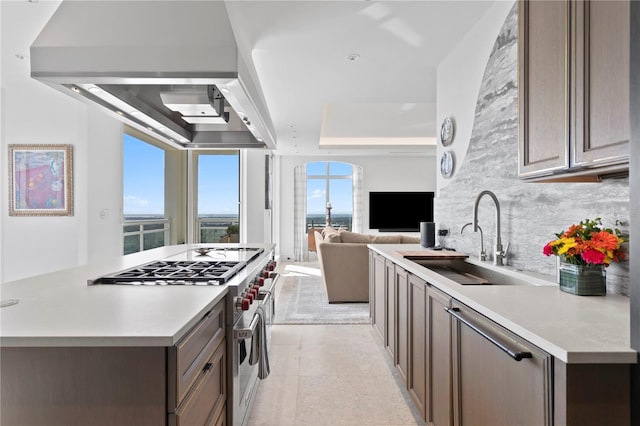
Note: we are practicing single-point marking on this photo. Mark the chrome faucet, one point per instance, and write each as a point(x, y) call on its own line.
point(483, 254)
point(499, 254)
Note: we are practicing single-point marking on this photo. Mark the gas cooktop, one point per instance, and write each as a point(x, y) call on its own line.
point(164, 272)
point(192, 267)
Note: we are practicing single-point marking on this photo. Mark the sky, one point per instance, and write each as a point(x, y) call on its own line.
point(218, 177)
point(340, 190)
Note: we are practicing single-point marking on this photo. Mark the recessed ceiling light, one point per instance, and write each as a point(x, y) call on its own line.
point(353, 57)
point(94, 89)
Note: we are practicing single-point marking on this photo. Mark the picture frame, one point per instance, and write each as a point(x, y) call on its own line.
point(40, 180)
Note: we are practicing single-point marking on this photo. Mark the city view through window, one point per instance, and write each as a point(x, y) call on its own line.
point(143, 192)
point(218, 186)
point(329, 183)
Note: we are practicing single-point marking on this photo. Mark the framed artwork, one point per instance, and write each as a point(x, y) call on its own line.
point(40, 180)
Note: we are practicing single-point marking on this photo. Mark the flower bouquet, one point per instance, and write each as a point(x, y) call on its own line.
point(585, 250)
point(587, 243)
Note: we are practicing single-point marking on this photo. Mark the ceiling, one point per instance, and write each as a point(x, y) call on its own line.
point(383, 102)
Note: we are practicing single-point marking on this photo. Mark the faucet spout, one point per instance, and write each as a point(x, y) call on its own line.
point(482, 255)
point(499, 253)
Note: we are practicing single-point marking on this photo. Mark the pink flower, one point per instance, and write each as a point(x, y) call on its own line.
point(594, 257)
point(547, 250)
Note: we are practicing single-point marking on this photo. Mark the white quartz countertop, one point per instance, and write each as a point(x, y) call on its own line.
point(60, 309)
point(572, 328)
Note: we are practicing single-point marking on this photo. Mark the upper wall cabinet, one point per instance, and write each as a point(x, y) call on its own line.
point(573, 79)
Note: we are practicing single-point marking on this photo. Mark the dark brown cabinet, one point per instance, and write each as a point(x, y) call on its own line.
point(417, 383)
point(402, 323)
point(180, 385)
point(573, 79)
point(439, 408)
point(390, 308)
point(377, 279)
point(462, 368)
point(382, 295)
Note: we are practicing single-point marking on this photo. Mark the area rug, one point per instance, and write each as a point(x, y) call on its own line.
point(301, 299)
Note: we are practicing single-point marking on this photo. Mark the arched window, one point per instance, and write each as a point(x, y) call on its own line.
point(329, 184)
point(319, 183)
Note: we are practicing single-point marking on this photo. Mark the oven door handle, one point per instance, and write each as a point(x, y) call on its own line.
point(246, 333)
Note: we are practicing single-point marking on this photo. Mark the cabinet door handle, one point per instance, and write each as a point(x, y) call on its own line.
point(207, 367)
point(518, 356)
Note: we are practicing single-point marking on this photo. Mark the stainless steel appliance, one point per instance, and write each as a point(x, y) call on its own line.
point(180, 77)
point(255, 307)
point(250, 277)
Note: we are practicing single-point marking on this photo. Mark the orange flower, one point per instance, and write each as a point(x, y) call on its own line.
point(604, 241)
point(573, 231)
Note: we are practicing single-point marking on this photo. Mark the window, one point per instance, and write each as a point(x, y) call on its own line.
point(219, 197)
point(145, 226)
point(329, 182)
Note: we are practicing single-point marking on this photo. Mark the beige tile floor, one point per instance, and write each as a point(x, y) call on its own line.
point(330, 375)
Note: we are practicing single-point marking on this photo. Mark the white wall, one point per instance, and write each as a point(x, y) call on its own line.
point(383, 173)
point(253, 210)
point(34, 113)
point(458, 80)
point(104, 181)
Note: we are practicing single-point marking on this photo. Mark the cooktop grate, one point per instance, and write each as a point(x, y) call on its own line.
point(179, 272)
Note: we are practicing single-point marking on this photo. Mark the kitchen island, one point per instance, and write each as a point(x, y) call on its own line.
point(519, 351)
point(73, 353)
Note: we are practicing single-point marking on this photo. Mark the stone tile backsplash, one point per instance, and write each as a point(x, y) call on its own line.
point(531, 213)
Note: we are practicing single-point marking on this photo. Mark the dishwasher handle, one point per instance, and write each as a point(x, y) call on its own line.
point(516, 355)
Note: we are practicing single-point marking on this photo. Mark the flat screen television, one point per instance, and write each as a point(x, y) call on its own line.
point(399, 211)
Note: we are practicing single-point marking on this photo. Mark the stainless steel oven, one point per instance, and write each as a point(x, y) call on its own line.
point(251, 342)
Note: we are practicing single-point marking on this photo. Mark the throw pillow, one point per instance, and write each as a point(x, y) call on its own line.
point(410, 240)
point(354, 237)
point(328, 230)
point(386, 239)
point(333, 238)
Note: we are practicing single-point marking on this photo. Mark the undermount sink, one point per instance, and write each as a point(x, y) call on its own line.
point(466, 272)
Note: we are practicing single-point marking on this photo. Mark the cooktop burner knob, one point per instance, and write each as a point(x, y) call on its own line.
point(245, 304)
point(249, 297)
point(238, 303)
point(265, 274)
point(261, 281)
point(254, 293)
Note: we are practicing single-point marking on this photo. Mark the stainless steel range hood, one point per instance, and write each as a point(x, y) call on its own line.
point(169, 68)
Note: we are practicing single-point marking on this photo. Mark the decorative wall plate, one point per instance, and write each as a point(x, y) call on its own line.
point(446, 164)
point(447, 131)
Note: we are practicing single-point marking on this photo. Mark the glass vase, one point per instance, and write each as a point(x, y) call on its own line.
point(584, 280)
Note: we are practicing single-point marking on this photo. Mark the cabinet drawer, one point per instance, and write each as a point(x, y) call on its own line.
point(189, 356)
point(205, 402)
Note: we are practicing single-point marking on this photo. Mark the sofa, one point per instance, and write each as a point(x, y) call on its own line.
point(344, 262)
